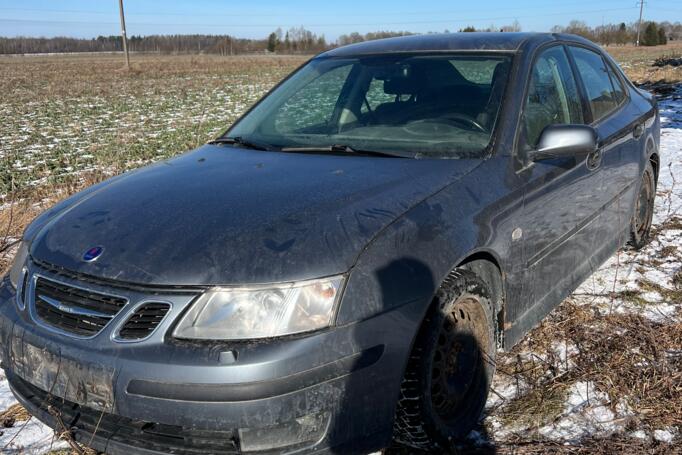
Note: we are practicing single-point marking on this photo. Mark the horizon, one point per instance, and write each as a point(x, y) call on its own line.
point(85, 19)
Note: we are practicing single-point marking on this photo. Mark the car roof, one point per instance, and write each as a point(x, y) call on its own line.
point(484, 41)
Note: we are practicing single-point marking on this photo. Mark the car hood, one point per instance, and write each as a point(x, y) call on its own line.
point(224, 215)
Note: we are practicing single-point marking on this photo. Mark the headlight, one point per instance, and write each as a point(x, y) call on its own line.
point(243, 313)
point(18, 265)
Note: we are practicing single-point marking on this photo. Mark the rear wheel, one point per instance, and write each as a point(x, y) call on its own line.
point(451, 366)
point(640, 226)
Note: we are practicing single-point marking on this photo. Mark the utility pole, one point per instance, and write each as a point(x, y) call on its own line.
point(639, 23)
point(123, 33)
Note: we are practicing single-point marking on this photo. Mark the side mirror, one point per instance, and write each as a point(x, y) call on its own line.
point(565, 141)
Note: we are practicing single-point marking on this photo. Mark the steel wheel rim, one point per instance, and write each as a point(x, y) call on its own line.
point(643, 209)
point(458, 361)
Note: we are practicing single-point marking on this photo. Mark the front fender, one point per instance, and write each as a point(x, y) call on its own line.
point(409, 259)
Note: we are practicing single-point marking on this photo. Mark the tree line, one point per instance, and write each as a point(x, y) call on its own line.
point(300, 40)
point(162, 44)
point(651, 33)
point(292, 41)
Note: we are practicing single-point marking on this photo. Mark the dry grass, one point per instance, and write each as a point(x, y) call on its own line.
point(11, 415)
point(539, 406)
point(637, 62)
point(631, 359)
point(31, 78)
point(591, 446)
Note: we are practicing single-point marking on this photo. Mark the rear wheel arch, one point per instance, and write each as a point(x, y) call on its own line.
point(655, 161)
point(652, 156)
point(642, 218)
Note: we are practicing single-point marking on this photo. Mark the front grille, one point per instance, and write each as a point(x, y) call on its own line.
point(143, 321)
point(74, 310)
point(84, 421)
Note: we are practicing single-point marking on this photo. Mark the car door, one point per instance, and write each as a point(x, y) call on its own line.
point(561, 196)
point(619, 132)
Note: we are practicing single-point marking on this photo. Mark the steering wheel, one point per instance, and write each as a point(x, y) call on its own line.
point(455, 118)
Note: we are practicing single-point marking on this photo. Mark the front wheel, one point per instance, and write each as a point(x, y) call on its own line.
point(451, 367)
point(640, 226)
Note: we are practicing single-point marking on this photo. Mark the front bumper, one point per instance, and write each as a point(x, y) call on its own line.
point(161, 396)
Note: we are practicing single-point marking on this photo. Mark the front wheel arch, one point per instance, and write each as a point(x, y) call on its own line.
point(415, 423)
point(487, 267)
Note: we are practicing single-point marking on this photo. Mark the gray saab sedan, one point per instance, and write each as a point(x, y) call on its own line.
point(336, 273)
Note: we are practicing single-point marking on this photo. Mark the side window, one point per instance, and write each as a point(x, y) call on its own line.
point(313, 105)
point(595, 76)
point(617, 85)
point(552, 95)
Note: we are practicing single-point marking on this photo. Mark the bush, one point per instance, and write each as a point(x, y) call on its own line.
point(650, 37)
point(662, 38)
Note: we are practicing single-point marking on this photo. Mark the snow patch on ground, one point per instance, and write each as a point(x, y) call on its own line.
point(589, 412)
point(586, 414)
point(664, 435)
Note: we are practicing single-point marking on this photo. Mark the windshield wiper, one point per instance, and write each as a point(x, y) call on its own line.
point(238, 140)
point(338, 149)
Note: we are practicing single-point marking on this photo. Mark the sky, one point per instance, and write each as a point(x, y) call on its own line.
point(257, 18)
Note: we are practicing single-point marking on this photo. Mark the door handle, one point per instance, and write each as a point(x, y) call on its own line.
point(638, 131)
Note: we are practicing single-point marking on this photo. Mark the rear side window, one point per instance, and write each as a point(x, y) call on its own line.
point(552, 95)
point(594, 73)
point(618, 89)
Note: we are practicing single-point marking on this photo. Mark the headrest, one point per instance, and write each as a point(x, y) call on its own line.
point(398, 79)
point(401, 86)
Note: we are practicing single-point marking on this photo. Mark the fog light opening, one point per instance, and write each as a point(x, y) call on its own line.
point(303, 431)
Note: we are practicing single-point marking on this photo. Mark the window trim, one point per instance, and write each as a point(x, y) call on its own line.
point(595, 122)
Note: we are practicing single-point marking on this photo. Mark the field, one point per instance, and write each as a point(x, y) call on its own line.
point(637, 62)
point(602, 374)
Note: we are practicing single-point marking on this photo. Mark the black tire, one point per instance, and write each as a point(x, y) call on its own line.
point(640, 224)
point(450, 368)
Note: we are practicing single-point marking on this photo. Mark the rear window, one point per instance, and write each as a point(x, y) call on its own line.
point(598, 85)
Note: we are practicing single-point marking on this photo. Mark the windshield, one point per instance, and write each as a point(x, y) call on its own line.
point(408, 105)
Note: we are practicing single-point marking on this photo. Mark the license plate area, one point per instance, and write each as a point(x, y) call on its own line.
point(79, 382)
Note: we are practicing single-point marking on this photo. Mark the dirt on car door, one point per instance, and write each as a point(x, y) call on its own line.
point(562, 196)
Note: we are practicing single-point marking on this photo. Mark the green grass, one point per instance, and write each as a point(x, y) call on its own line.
point(66, 119)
